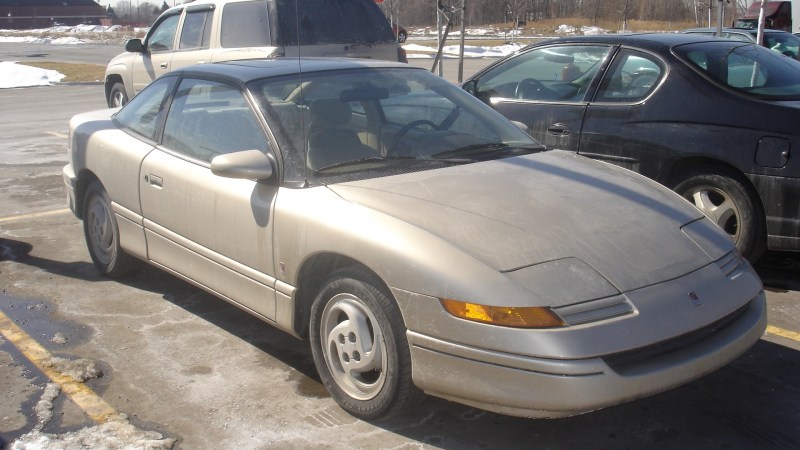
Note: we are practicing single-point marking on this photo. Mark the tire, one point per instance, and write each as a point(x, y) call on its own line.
point(117, 96)
point(728, 202)
point(401, 37)
point(102, 235)
point(359, 346)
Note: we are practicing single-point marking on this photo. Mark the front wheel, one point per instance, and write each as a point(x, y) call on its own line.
point(117, 96)
point(359, 346)
point(724, 199)
point(102, 235)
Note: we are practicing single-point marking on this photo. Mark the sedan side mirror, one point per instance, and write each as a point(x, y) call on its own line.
point(247, 164)
point(134, 46)
point(471, 86)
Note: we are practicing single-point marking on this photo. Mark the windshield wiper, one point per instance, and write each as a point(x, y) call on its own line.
point(495, 149)
point(357, 162)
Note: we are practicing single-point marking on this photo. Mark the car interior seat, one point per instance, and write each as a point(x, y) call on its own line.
point(329, 140)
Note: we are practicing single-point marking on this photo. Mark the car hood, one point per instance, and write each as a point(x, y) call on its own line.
point(516, 212)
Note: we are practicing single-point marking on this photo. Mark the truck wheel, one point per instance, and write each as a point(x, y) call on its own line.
point(117, 96)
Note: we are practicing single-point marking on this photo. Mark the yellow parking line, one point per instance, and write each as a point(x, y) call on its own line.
point(91, 403)
point(783, 333)
point(34, 215)
point(56, 134)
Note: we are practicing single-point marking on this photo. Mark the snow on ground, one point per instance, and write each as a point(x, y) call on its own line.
point(16, 75)
point(470, 51)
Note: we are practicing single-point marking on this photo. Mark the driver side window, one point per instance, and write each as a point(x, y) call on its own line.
point(163, 37)
point(554, 73)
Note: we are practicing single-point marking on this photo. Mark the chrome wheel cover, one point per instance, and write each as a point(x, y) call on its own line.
point(353, 345)
point(717, 206)
point(100, 230)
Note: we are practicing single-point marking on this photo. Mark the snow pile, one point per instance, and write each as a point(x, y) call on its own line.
point(565, 29)
point(79, 370)
point(591, 31)
point(470, 51)
point(14, 75)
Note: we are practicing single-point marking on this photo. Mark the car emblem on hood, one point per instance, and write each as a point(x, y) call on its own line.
point(695, 298)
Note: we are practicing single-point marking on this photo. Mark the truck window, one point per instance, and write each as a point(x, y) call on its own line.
point(196, 32)
point(245, 24)
point(307, 22)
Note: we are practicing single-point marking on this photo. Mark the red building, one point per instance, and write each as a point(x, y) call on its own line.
point(25, 14)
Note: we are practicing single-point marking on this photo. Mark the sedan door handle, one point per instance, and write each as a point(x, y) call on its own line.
point(163, 65)
point(154, 180)
point(559, 129)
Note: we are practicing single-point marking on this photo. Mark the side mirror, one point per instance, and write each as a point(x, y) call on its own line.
point(471, 86)
point(247, 164)
point(134, 46)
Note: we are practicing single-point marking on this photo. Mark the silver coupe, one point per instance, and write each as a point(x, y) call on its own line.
point(421, 242)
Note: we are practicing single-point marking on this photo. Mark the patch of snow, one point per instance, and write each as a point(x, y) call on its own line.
point(114, 434)
point(591, 31)
point(59, 338)
point(565, 29)
point(14, 75)
point(44, 407)
point(79, 370)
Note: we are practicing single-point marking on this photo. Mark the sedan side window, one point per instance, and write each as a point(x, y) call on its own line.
point(163, 38)
point(633, 76)
point(144, 112)
point(208, 118)
point(556, 73)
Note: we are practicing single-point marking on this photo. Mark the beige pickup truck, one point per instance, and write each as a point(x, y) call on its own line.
point(206, 31)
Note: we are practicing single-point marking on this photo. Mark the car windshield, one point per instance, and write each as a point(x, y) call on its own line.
point(747, 68)
point(342, 125)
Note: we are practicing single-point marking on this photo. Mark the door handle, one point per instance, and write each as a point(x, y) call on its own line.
point(163, 65)
point(154, 180)
point(559, 129)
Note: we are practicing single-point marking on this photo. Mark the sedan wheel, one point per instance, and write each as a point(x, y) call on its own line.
point(102, 235)
point(728, 203)
point(359, 346)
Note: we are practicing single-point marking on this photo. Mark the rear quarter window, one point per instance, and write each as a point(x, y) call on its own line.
point(245, 24)
point(306, 22)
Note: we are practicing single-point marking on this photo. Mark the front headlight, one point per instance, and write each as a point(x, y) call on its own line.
point(507, 316)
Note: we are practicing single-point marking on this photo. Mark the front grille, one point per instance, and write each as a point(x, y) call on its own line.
point(628, 360)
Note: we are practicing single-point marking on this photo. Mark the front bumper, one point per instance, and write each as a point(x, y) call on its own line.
point(536, 387)
point(71, 184)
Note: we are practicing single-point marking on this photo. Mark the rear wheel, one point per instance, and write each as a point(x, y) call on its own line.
point(728, 202)
point(102, 235)
point(360, 348)
point(401, 37)
point(117, 96)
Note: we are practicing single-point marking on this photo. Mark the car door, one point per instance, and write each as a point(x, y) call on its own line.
point(214, 231)
point(546, 89)
point(155, 60)
point(620, 125)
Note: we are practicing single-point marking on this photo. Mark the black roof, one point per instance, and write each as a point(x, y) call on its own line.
point(644, 40)
point(48, 3)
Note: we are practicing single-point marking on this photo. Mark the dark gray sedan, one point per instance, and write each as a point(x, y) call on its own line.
point(713, 119)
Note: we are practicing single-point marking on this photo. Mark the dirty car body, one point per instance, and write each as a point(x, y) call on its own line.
point(418, 239)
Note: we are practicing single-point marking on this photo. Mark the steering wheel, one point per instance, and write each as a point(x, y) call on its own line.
point(528, 86)
point(406, 128)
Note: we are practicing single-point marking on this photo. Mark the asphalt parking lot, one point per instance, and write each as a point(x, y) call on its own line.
point(165, 363)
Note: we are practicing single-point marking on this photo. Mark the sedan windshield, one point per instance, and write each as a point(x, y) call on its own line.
point(747, 68)
point(346, 124)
